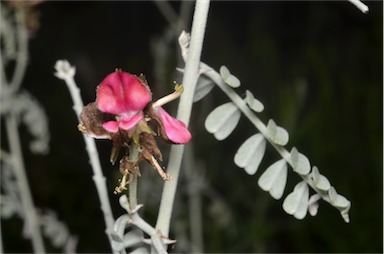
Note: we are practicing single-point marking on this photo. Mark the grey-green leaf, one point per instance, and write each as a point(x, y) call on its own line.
point(338, 200)
point(313, 205)
point(250, 153)
point(300, 162)
point(253, 103)
point(319, 180)
point(224, 72)
point(274, 179)
point(203, 87)
point(223, 120)
point(344, 213)
point(228, 78)
point(296, 203)
point(277, 134)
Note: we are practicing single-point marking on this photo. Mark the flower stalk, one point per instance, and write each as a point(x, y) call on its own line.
point(170, 97)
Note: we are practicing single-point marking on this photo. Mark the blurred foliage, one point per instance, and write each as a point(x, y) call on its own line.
point(317, 68)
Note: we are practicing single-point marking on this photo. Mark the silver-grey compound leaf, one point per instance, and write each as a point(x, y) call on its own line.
point(296, 203)
point(320, 181)
point(223, 120)
point(203, 87)
point(253, 103)
point(274, 179)
point(300, 162)
point(250, 153)
point(277, 134)
point(228, 78)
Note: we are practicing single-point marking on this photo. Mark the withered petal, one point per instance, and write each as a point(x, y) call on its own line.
point(92, 120)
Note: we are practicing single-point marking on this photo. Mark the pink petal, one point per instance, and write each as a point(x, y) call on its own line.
point(111, 126)
point(121, 92)
point(175, 129)
point(127, 123)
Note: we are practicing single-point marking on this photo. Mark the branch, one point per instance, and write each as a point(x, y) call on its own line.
point(184, 112)
point(22, 53)
point(66, 72)
point(15, 156)
point(157, 240)
point(32, 221)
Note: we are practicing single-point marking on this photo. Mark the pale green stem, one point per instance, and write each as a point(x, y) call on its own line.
point(31, 218)
point(184, 112)
point(133, 192)
point(98, 176)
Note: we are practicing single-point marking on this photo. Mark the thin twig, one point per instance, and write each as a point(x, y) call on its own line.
point(22, 52)
point(31, 218)
point(67, 72)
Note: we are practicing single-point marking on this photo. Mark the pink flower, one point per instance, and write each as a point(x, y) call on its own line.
point(172, 129)
point(124, 95)
point(118, 114)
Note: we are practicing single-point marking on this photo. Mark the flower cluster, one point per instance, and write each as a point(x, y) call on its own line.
point(124, 112)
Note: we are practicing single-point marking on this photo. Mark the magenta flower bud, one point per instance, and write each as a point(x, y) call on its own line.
point(124, 95)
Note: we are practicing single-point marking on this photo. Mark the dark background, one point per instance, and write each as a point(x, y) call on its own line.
point(316, 66)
